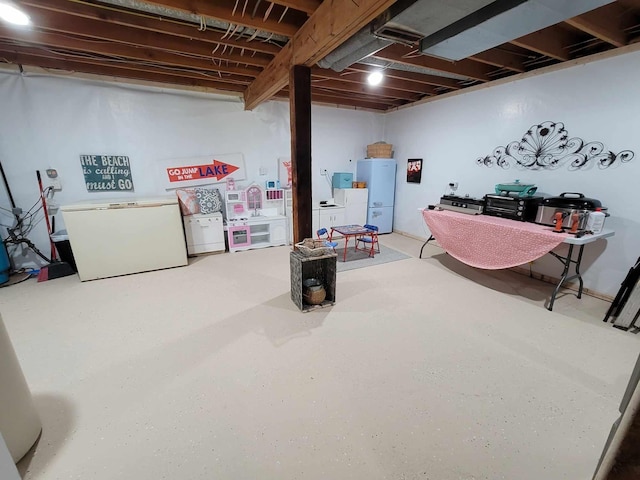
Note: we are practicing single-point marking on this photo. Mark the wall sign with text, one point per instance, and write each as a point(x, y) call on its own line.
point(107, 173)
point(194, 171)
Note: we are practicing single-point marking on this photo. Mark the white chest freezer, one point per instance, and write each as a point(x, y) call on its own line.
point(119, 237)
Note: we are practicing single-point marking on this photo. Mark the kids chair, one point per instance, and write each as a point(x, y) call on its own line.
point(324, 235)
point(371, 239)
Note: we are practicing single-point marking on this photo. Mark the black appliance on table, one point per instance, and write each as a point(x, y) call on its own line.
point(512, 206)
point(568, 203)
point(465, 204)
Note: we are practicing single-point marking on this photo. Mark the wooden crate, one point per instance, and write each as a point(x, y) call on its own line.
point(323, 268)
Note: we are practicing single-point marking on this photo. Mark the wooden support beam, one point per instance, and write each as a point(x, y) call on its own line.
point(466, 68)
point(224, 10)
point(552, 41)
point(330, 25)
point(602, 23)
point(300, 114)
point(143, 21)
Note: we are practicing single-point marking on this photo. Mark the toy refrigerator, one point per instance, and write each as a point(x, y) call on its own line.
point(380, 175)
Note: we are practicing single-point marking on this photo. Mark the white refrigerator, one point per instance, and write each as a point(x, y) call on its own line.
point(119, 237)
point(380, 175)
point(354, 201)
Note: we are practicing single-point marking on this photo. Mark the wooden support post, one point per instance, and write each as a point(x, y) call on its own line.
point(300, 118)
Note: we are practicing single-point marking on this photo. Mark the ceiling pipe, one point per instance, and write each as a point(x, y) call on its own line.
point(360, 46)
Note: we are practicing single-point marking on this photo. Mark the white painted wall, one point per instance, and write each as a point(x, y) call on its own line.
point(48, 122)
point(598, 101)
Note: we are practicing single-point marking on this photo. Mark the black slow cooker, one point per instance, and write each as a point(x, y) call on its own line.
point(568, 203)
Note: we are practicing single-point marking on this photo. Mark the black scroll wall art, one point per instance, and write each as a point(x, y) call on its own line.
point(547, 146)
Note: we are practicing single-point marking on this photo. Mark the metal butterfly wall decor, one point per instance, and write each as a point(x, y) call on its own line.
point(547, 146)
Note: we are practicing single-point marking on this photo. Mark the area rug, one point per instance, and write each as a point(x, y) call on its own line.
point(360, 259)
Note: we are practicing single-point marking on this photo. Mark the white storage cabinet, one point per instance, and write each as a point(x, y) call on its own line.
point(204, 233)
point(330, 217)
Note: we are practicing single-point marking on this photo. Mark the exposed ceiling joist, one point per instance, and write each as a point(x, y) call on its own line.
point(352, 76)
point(500, 58)
point(604, 24)
point(434, 80)
point(327, 28)
point(342, 100)
point(152, 40)
point(59, 23)
point(150, 75)
point(553, 42)
point(329, 99)
point(145, 21)
point(48, 40)
point(407, 55)
point(364, 89)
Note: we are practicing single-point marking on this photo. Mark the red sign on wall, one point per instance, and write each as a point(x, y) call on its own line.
point(217, 170)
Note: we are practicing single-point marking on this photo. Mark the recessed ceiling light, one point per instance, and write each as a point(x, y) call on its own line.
point(11, 14)
point(375, 78)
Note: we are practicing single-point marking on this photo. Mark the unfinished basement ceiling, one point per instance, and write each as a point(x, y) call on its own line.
point(230, 45)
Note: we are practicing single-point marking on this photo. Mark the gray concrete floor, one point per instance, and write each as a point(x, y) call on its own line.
point(423, 369)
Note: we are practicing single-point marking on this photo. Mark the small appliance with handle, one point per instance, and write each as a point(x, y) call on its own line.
point(513, 206)
point(521, 189)
point(568, 204)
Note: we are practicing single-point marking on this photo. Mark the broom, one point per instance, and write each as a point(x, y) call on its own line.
point(56, 268)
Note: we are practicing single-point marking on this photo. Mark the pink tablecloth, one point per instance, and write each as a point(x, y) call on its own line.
point(489, 242)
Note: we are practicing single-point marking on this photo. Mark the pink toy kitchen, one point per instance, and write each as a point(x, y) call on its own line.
point(256, 217)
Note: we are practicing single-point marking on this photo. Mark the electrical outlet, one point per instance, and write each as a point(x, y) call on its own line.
point(453, 185)
point(55, 183)
point(323, 171)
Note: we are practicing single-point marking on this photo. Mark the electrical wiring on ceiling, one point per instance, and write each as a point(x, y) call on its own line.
point(203, 24)
point(286, 9)
point(266, 15)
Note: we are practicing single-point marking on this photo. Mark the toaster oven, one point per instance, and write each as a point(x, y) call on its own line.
point(515, 208)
